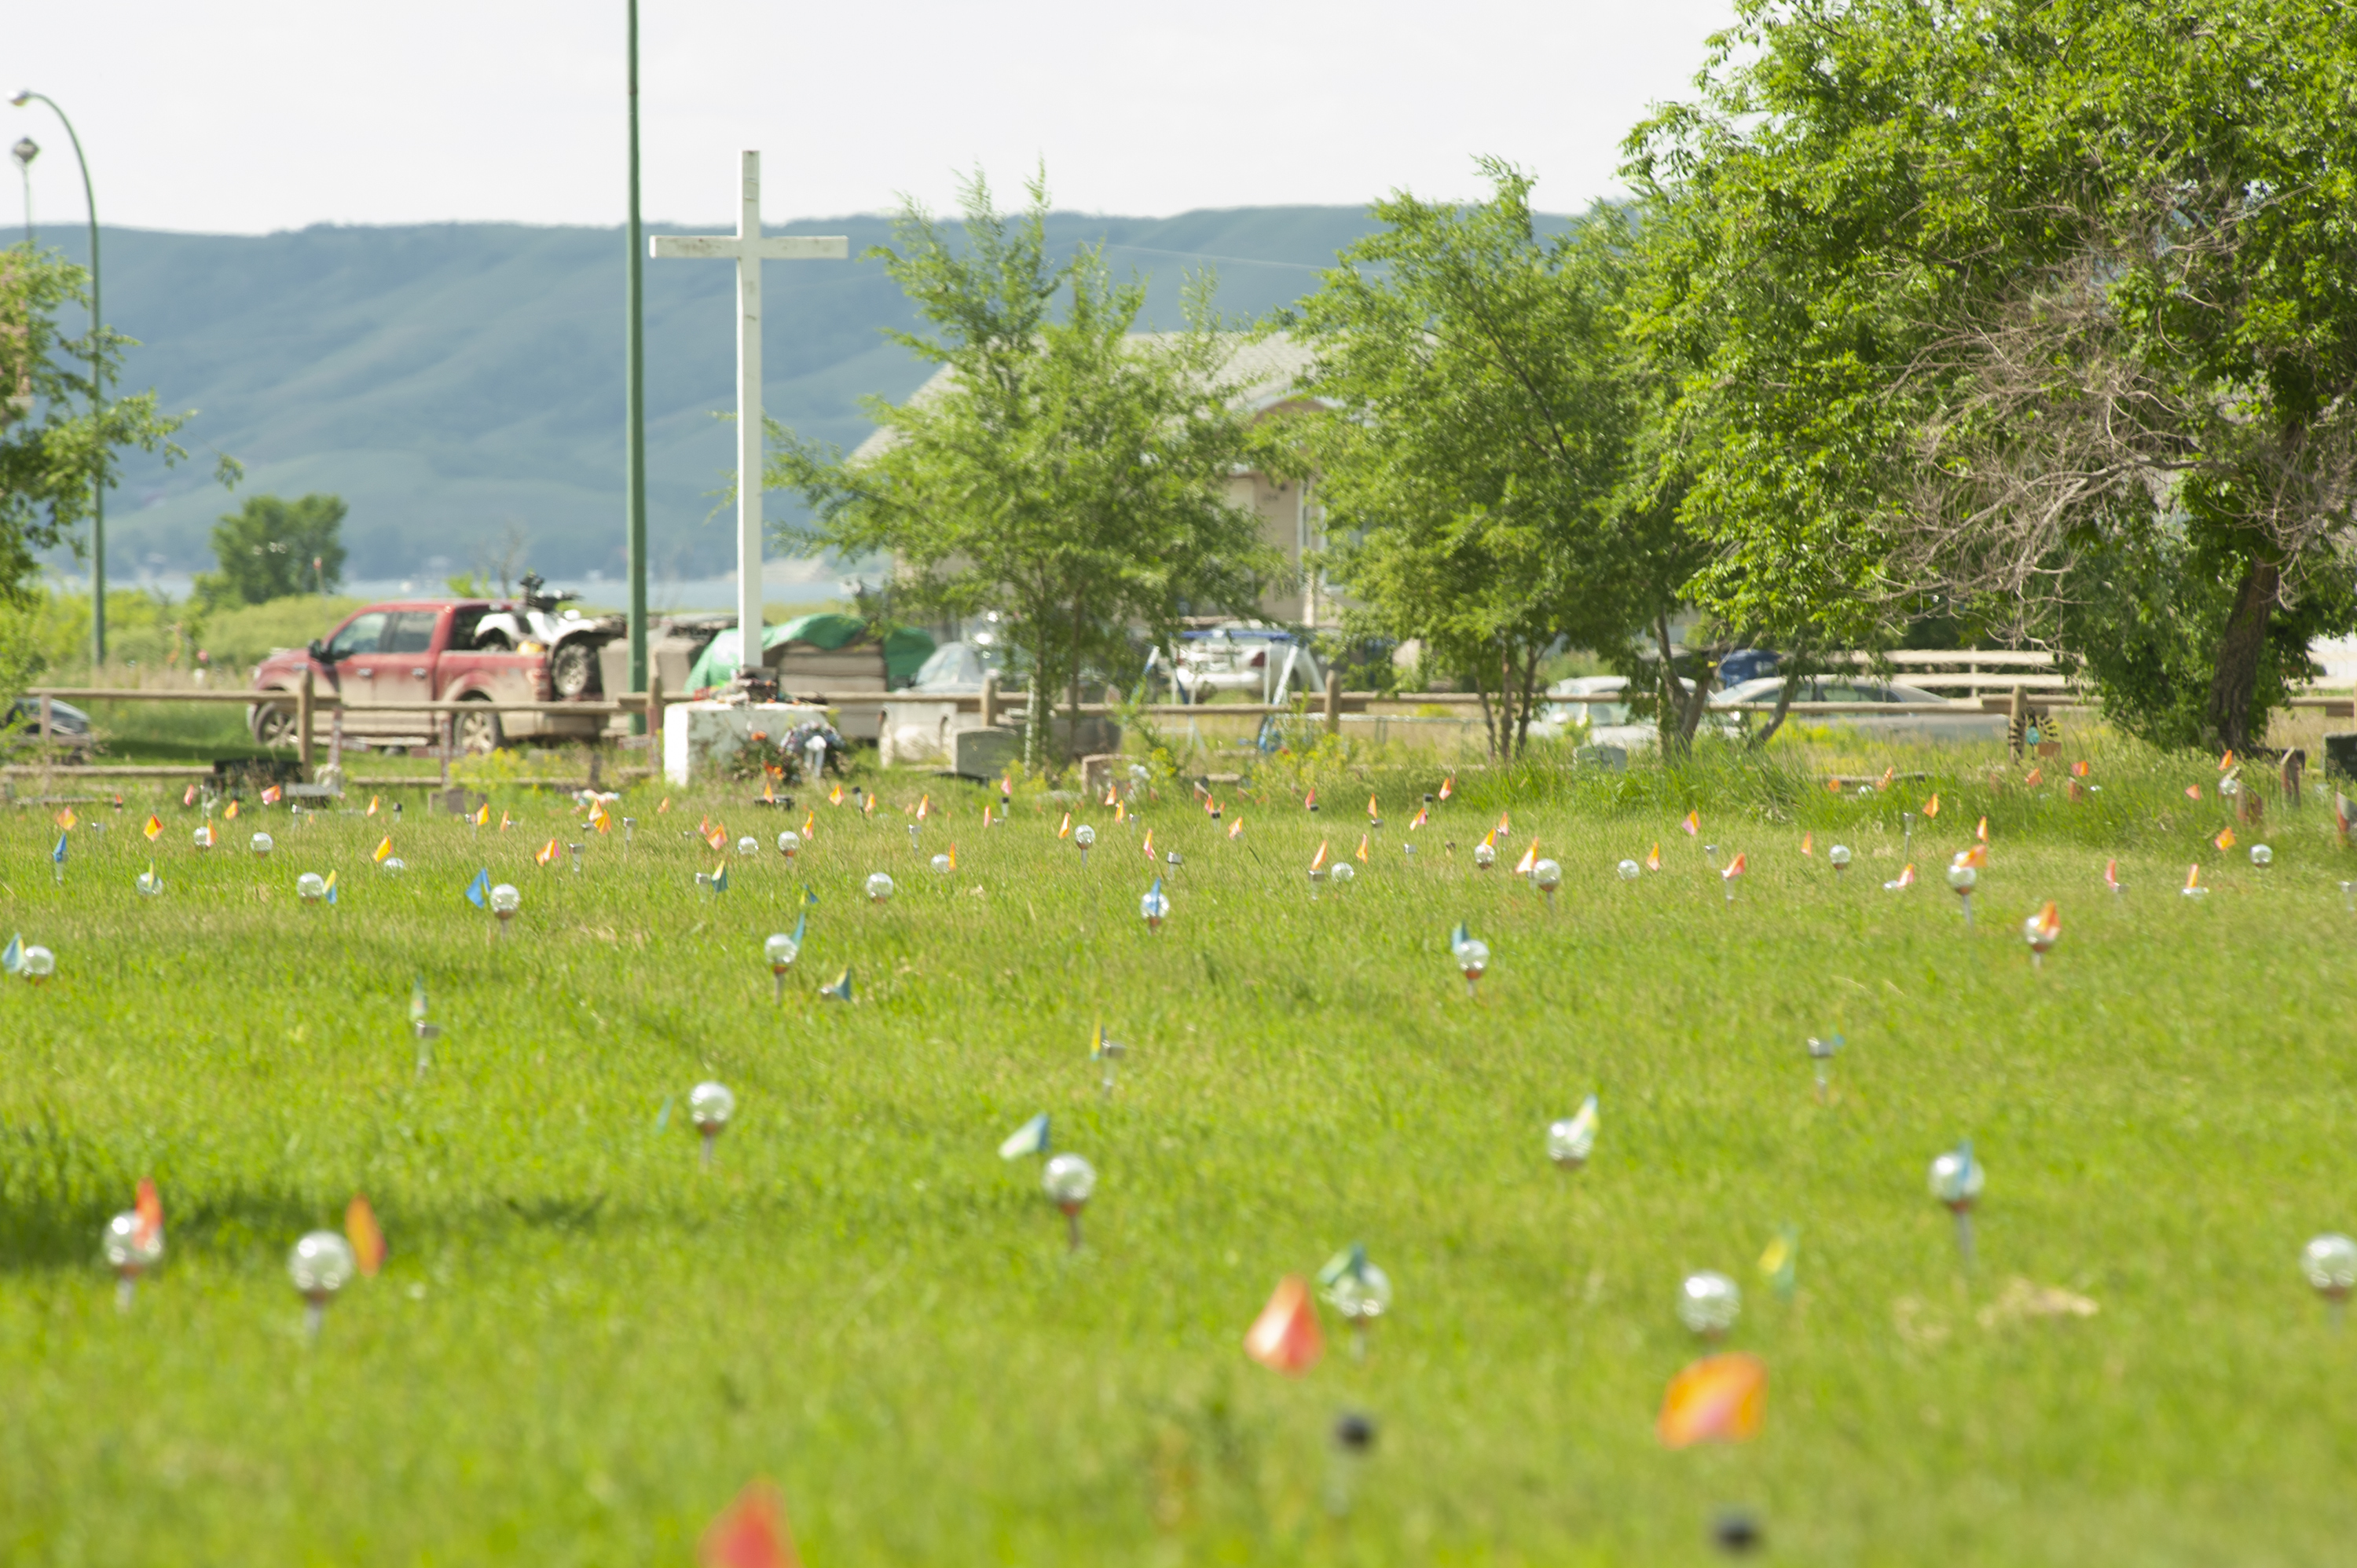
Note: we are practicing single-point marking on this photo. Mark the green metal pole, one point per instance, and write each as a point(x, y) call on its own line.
point(97, 396)
point(635, 372)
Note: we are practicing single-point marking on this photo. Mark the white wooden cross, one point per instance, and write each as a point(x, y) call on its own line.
point(748, 250)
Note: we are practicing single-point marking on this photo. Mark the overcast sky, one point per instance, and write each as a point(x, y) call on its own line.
point(269, 115)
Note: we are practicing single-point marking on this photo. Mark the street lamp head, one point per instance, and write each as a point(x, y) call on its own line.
point(24, 97)
point(25, 152)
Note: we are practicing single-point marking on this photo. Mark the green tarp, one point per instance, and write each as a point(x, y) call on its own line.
point(904, 649)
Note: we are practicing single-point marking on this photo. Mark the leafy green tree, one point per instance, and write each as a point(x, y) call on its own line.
point(1476, 449)
point(56, 448)
point(271, 548)
point(1063, 472)
point(1956, 294)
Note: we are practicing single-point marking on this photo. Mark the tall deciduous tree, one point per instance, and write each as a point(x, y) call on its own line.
point(1063, 472)
point(271, 548)
point(1474, 460)
point(56, 448)
point(1964, 296)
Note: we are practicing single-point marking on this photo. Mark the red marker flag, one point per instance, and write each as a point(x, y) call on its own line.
point(547, 853)
point(150, 1209)
point(2112, 874)
point(1719, 1398)
point(1285, 1337)
point(270, 797)
point(1734, 869)
point(749, 1533)
point(362, 1230)
point(1448, 786)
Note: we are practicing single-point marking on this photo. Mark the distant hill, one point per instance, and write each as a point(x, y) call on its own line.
point(452, 381)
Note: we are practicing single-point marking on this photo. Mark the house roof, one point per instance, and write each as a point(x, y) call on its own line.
point(1266, 371)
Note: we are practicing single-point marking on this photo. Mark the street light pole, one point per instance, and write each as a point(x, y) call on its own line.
point(634, 373)
point(97, 394)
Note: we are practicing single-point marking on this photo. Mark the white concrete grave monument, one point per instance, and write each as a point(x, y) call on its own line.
point(748, 250)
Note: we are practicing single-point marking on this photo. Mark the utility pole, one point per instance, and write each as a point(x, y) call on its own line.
point(635, 374)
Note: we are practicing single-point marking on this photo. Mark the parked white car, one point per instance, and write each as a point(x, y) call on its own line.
point(1960, 723)
point(1608, 723)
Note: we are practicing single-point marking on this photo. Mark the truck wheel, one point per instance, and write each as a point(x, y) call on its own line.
point(274, 725)
point(478, 733)
point(573, 670)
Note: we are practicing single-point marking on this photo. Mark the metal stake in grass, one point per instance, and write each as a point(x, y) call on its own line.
point(1821, 1053)
point(1357, 1289)
point(2329, 1261)
point(321, 1265)
point(709, 1106)
point(1068, 1181)
point(426, 1033)
point(1355, 1439)
point(1906, 835)
point(628, 824)
point(576, 850)
point(133, 1247)
point(1956, 1179)
point(1107, 1051)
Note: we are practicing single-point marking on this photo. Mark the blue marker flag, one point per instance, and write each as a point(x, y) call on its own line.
point(841, 989)
point(720, 878)
point(479, 888)
point(58, 854)
point(1031, 1138)
point(13, 960)
point(800, 927)
point(809, 897)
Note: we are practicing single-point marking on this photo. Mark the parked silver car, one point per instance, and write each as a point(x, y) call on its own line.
point(1958, 724)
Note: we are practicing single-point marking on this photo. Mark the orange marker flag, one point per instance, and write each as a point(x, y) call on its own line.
point(868, 804)
point(1112, 795)
point(1505, 824)
point(361, 1229)
point(1490, 839)
point(1733, 868)
point(150, 1209)
point(1888, 775)
point(1236, 828)
point(1310, 800)
point(1210, 805)
point(2079, 770)
point(1372, 815)
point(1530, 857)
point(809, 821)
point(1719, 1398)
point(664, 807)
point(1981, 832)
point(506, 821)
point(2050, 921)
point(1148, 845)
point(1285, 1337)
point(1362, 850)
point(2193, 791)
point(2112, 874)
point(1065, 832)
point(834, 796)
point(66, 818)
point(717, 838)
point(228, 812)
point(547, 853)
point(270, 796)
point(189, 796)
point(1422, 815)
point(1808, 843)
point(1833, 786)
point(986, 814)
point(2194, 877)
point(769, 792)
point(2036, 777)
point(749, 1533)
point(602, 819)
point(1693, 824)
point(155, 828)
point(382, 850)
point(953, 850)
point(1319, 863)
point(2225, 839)
point(2226, 762)
point(375, 801)
point(924, 806)
point(1932, 807)
point(1653, 856)
point(1448, 786)
point(1976, 857)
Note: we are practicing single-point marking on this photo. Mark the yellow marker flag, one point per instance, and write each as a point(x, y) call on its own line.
point(2225, 839)
point(1065, 831)
point(228, 812)
point(810, 821)
point(375, 801)
point(664, 807)
point(2194, 877)
point(1808, 843)
point(1530, 858)
point(1362, 850)
point(1120, 813)
point(547, 853)
point(1448, 786)
point(367, 1239)
point(1372, 814)
point(1320, 863)
point(834, 797)
point(383, 850)
point(506, 821)
point(483, 815)
point(1932, 807)
point(155, 829)
point(1653, 856)
point(953, 850)
point(1490, 839)
point(1981, 832)
point(924, 807)
point(66, 819)
point(1150, 844)
point(1236, 828)
point(869, 805)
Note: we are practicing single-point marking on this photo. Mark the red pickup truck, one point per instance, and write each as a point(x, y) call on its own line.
point(389, 655)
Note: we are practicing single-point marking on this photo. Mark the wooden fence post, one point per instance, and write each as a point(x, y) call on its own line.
point(654, 712)
point(304, 699)
point(2295, 762)
point(990, 701)
point(1333, 702)
point(2018, 726)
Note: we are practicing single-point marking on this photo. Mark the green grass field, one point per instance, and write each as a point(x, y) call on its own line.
point(583, 1346)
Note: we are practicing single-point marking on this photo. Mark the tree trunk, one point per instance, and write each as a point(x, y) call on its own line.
point(1783, 706)
point(2236, 678)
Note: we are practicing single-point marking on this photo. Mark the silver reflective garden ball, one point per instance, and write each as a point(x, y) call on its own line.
point(393, 865)
point(1473, 958)
point(321, 1265)
point(1069, 1181)
point(203, 837)
point(40, 963)
point(1709, 1303)
point(131, 1247)
point(788, 843)
point(1084, 835)
point(263, 843)
point(879, 887)
point(1963, 877)
point(1839, 856)
point(1956, 1178)
point(1154, 907)
point(1547, 876)
point(709, 1106)
point(1341, 874)
point(310, 888)
point(781, 950)
point(1629, 870)
point(2329, 1261)
point(1484, 857)
point(1362, 1295)
point(748, 846)
point(2262, 856)
point(505, 902)
point(940, 865)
